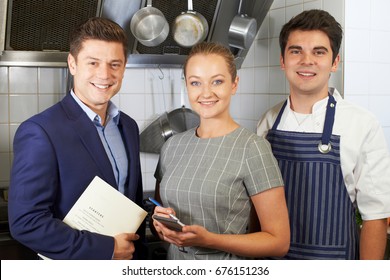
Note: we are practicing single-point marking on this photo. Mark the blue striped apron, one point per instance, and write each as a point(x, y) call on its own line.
point(322, 216)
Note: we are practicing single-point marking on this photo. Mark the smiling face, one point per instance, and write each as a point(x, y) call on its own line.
point(210, 86)
point(308, 63)
point(97, 73)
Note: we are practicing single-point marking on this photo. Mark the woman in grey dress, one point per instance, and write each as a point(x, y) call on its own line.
point(214, 176)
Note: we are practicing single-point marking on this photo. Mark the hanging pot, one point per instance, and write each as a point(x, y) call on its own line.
point(190, 28)
point(242, 30)
point(149, 26)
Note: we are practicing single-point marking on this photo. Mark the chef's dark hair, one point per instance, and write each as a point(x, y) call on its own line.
point(96, 28)
point(313, 20)
point(206, 48)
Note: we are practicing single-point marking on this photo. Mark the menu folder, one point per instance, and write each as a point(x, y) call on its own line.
point(103, 209)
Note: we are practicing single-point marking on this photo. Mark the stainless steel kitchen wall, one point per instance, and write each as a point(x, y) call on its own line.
point(35, 32)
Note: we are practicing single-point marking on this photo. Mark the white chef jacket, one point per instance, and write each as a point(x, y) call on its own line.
point(365, 159)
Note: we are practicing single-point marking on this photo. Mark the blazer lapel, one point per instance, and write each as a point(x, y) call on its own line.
point(129, 135)
point(86, 130)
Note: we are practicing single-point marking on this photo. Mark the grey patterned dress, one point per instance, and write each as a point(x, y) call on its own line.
point(209, 183)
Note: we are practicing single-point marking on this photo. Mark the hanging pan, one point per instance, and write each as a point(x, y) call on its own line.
point(149, 26)
point(153, 137)
point(242, 30)
point(190, 28)
point(182, 119)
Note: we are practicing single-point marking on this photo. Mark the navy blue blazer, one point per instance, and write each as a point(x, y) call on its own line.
point(56, 155)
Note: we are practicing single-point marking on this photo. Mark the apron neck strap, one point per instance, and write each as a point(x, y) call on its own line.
point(277, 121)
point(329, 120)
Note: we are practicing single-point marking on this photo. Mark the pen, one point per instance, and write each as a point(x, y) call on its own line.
point(155, 202)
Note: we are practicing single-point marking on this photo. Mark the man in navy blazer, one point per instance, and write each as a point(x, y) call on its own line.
point(59, 151)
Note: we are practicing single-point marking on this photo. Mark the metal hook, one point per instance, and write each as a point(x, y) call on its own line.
point(162, 73)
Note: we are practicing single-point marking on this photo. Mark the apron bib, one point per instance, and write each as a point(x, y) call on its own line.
point(322, 216)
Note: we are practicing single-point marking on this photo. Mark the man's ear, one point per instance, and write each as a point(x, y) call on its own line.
point(336, 63)
point(72, 64)
point(281, 62)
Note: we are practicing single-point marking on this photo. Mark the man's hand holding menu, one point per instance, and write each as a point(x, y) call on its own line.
point(102, 209)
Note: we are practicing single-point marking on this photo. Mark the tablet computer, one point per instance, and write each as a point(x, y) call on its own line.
point(170, 223)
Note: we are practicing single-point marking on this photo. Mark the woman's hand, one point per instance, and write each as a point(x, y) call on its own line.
point(164, 212)
point(192, 235)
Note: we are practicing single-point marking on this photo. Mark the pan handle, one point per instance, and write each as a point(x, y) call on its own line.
point(190, 6)
point(239, 7)
point(182, 88)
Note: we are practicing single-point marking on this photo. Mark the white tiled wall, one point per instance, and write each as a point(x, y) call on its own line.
point(146, 93)
point(367, 65)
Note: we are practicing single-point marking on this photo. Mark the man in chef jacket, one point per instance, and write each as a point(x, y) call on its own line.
point(333, 155)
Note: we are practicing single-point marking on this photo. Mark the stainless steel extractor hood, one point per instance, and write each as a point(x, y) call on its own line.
point(35, 33)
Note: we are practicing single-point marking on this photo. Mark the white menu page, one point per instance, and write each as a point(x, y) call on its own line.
point(103, 209)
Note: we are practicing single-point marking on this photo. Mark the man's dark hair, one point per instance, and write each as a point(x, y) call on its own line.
point(313, 20)
point(99, 29)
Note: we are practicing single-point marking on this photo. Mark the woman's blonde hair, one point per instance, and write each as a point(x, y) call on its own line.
point(206, 48)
